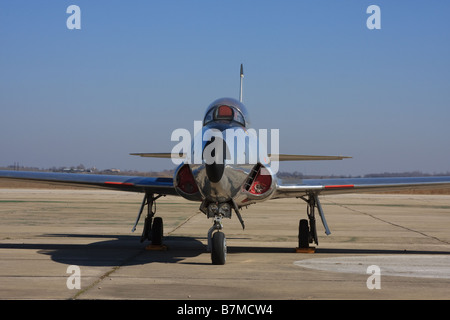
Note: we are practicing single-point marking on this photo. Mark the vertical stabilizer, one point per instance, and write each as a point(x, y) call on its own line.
point(242, 79)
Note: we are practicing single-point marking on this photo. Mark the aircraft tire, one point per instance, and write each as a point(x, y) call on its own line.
point(303, 234)
point(219, 248)
point(147, 229)
point(157, 231)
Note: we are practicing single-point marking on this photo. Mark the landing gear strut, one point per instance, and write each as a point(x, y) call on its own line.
point(307, 232)
point(153, 226)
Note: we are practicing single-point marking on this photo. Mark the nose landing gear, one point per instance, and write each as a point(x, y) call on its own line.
point(217, 243)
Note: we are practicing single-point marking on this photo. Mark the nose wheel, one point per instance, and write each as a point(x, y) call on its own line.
point(219, 248)
point(217, 243)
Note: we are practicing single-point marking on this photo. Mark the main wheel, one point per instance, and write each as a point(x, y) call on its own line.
point(303, 234)
point(146, 233)
point(219, 248)
point(157, 231)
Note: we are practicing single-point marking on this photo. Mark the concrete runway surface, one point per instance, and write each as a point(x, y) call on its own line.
point(381, 247)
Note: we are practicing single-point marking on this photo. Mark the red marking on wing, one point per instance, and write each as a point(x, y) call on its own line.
point(343, 186)
point(119, 183)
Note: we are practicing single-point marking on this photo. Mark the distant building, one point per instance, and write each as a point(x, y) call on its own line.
point(113, 170)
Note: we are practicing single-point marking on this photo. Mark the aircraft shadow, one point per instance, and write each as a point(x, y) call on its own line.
point(125, 250)
point(117, 250)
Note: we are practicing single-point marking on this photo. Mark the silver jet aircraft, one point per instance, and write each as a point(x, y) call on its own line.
point(221, 176)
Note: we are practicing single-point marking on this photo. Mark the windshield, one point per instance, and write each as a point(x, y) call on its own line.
point(224, 113)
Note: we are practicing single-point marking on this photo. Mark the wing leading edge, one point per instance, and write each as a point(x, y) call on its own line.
point(358, 185)
point(124, 183)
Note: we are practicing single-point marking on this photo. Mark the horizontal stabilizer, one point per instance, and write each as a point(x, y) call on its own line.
point(273, 157)
point(161, 155)
point(299, 157)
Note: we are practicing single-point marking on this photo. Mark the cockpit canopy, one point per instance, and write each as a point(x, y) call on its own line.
point(226, 110)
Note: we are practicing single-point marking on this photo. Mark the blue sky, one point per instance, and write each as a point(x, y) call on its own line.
point(137, 70)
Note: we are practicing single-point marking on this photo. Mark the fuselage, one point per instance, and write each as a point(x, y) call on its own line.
point(227, 163)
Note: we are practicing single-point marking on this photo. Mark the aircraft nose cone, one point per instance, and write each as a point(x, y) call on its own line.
point(214, 172)
point(214, 159)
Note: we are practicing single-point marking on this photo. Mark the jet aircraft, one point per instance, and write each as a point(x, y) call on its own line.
point(222, 186)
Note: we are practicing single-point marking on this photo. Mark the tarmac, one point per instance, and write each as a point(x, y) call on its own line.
point(77, 244)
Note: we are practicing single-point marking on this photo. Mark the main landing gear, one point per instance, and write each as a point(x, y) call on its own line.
point(153, 226)
point(307, 231)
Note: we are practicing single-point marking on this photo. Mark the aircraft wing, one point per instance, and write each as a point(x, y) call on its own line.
point(115, 182)
point(357, 185)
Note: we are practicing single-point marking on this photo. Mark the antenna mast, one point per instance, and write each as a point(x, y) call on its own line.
point(242, 77)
